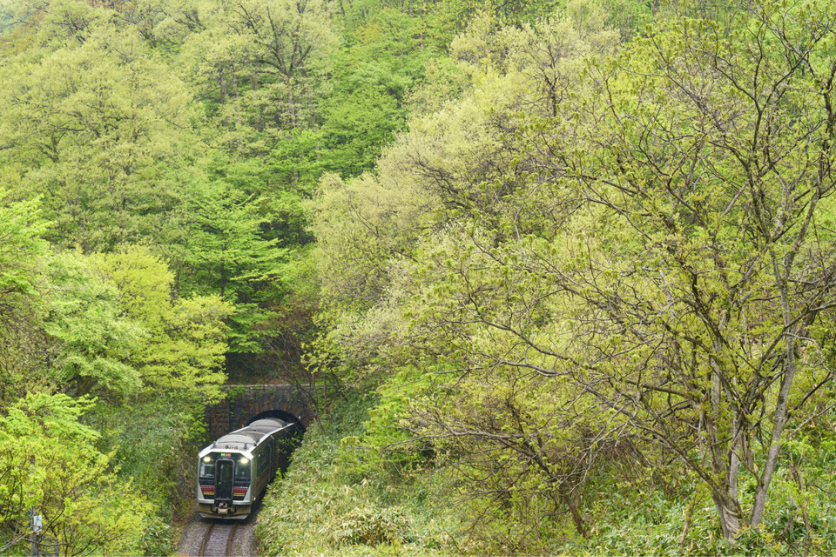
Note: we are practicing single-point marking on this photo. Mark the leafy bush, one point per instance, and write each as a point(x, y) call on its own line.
point(49, 462)
point(158, 538)
point(331, 502)
point(371, 525)
point(153, 443)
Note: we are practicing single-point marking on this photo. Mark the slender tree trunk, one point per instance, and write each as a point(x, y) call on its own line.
point(734, 457)
point(729, 515)
point(221, 85)
point(687, 526)
point(780, 417)
point(253, 67)
point(312, 111)
point(234, 81)
point(290, 103)
point(724, 462)
point(253, 76)
point(576, 517)
point(778, 423)
point(573, 510)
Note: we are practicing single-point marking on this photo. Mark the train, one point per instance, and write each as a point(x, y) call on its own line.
point(233, 472)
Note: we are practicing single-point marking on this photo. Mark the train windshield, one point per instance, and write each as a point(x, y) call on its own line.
point(242, 470)
point(242, 466)
point(207, 466)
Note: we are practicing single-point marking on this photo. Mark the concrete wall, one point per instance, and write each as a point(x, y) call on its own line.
point(243, 402)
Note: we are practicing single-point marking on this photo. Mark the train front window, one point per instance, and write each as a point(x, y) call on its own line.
point(242, 470)
point(242, 466)
point(207, 466)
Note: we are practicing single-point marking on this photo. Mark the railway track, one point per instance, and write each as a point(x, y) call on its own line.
point(218, 540)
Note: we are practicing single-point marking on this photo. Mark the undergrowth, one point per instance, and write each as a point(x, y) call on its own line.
point(154, 445)
point(332, 503)
point(345, 496)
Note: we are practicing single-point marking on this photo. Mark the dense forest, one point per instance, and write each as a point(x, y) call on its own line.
point(561, 273)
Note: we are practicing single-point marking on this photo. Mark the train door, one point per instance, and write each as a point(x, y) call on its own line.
point(223, 479)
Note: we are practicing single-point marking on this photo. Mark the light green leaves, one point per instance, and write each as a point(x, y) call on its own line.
point(96, 339)
point(20, 245)
point(185, 338)
point(88, 125)
point(48, 461)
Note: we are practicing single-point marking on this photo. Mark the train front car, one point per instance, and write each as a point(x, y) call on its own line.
point(224, 483)
point(235, 469)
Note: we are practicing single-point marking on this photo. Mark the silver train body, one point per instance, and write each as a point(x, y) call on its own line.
point(233, 472)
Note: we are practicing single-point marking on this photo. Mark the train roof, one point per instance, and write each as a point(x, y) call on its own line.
point(248, 438)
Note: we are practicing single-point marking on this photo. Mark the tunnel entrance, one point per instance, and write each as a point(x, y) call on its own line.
point(287, 445)
point(246, 403)
point(281, 415)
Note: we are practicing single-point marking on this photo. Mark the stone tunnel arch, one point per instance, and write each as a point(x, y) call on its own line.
point(246, 403)
point(280, 414)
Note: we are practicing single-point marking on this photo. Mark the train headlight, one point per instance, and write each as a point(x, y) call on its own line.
point(244, 460)
point(207, 459)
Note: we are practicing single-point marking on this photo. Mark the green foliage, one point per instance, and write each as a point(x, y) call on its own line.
point(21, 245)
point(153, 441)
point(384, 57)
point(158, 538)
point(92, 123)
point(21, 306)
point(371, 526)
point(649, 514)
point(325, 505)
point(387, 443)
point(602, 263)
point(49, 462)
point(185, 338)
point(96, 340)
point(565, 272)
point(358, 124)
point(229, 258)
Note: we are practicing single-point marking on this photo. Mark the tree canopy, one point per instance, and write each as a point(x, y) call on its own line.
point(567, 249)
point(604, 253)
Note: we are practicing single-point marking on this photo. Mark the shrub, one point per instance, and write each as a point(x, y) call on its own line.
point(371, 525)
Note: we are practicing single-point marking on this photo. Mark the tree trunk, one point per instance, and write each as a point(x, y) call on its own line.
point(729, 516)
point(778, 424)
point(253, 67)
point(780, 419)
point(221, 85)
point(573, 510)
point(238, 123)
point(290, 105)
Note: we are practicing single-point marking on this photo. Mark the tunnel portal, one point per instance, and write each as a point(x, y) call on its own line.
point(246, 403)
